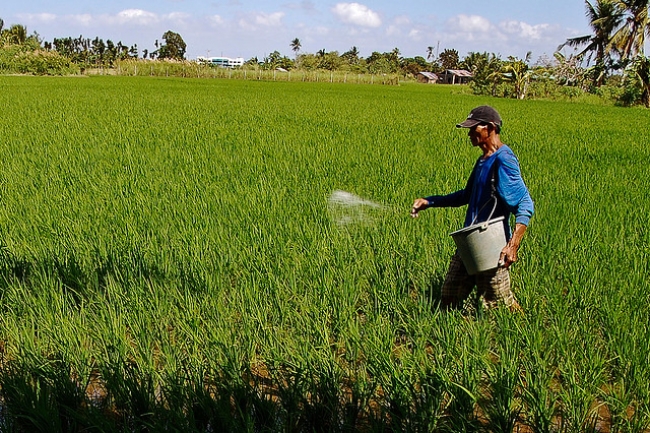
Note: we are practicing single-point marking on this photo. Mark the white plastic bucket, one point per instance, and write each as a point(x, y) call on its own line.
point(480, 245)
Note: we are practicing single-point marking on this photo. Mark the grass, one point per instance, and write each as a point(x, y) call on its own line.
point(168, 259)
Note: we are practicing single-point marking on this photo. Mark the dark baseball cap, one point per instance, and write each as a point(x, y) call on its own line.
point(482, 114)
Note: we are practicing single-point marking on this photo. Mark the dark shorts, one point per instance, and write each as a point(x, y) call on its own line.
point(492, 287)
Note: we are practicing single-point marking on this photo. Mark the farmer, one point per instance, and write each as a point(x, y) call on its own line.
point(495, 174)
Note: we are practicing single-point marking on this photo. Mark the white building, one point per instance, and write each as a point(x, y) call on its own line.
point(224, 62)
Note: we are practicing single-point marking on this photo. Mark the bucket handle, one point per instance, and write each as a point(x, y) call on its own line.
point(484, 226)
point(493, 190)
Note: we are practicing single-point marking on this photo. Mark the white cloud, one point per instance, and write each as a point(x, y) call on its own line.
point(525, 30)
point(252, 22)
point(399, 26)
point(129, 17)
point(136, 16)
point(305, 5)
point(83, 19)
point(402, 20)
point(216, 20)
point(358, 14)
point(269, 20)
point(38, 18)
point(470, 23)
point(177, 16)
point(415, 34)
point(473, 28)
point(393, 31)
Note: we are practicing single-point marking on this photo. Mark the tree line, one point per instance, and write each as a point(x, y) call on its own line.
point(610, 61)
point(92, 52)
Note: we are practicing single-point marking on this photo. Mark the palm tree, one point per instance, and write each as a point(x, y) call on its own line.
point(395, 53)
point(449, 58)
point(641, 68)
point(429, 53)
point(354, 51)
point(629, 39)
point(351, 56)
point(16, 34)
point(604, 18)
point(296, 46)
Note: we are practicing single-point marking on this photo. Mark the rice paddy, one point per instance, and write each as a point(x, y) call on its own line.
point(170, 260)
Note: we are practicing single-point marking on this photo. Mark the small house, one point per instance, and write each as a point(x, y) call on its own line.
point(455, 76)
point(427, 77)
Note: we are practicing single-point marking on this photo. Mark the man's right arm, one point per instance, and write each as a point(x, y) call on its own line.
point(456, 199)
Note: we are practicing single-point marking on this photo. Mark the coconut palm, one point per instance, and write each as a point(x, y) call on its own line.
point(449, 58)
point(16, 34)
point(641, 68)
point(429, 53)
point(351, 56)
point(296, 46)
point(605, 17)
point(629, 39)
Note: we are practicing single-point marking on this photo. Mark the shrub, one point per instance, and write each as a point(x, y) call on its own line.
point(20, 59)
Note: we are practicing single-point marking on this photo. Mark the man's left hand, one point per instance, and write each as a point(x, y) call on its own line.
point(508, 255)
point(509, 252)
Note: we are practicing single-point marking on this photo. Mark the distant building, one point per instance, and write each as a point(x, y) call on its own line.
point(427, 77)
point(455, 76)
point(223, 62)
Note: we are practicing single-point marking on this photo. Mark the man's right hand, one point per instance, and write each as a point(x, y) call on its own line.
point(418, 205)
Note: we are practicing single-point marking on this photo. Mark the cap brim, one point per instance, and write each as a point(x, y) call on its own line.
point(469, 123)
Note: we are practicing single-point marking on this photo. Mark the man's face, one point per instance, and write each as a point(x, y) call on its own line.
point(478, 134)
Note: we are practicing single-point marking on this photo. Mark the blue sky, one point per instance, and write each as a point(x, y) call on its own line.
point(243, 28)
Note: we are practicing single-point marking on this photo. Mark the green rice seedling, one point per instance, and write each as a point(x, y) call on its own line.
point(47, 396)
point(184, 405)
point(322, 405)
point(429, 396)
point(619, 401)
point(540, 389)
point(131, 395)
point(464, 365)
point(578, 410)
point(502, 403)
point(357, 408)
point(581, 376)
point(290, 384)
point(627, 388)
point(540, 397)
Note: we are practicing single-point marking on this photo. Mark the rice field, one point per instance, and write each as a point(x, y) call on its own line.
point(170, 260)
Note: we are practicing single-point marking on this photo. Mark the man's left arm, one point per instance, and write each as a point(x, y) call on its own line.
point(516, 196)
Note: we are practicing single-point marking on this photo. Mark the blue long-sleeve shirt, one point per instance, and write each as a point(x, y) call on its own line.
point(511, 192)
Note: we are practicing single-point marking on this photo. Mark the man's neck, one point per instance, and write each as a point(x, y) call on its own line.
point(492, 145)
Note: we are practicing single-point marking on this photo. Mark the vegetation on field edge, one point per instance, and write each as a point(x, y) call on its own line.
point(611, 64)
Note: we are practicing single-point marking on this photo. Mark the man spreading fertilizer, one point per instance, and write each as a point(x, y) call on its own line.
point(495, 190)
